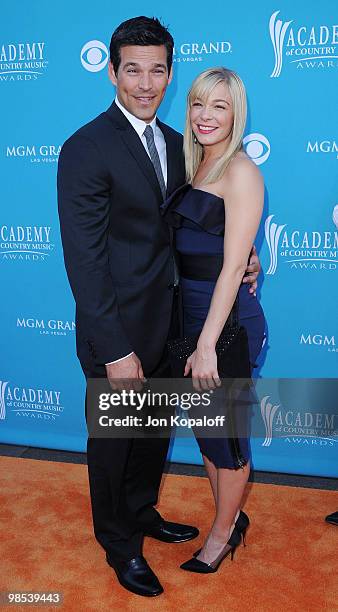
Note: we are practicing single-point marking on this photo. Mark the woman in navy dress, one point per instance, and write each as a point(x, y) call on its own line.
point(216, 216)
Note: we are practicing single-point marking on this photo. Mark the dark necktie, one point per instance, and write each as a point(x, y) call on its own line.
point(154, 156)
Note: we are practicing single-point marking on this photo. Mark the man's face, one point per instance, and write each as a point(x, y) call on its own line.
point(142, 79)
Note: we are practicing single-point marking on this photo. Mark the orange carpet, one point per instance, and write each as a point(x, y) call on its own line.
point(289, 564)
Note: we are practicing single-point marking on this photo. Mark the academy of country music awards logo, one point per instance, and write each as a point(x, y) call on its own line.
point(35, 154)
point(24, 61)
point(301, 250)
point(304, 46)
point(29, 402)
point(46, 327)
point(300, 427)
point(25, 242)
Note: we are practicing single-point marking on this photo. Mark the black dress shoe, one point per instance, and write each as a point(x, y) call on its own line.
point(136, 576)
point(171, 532)
point(332, 518)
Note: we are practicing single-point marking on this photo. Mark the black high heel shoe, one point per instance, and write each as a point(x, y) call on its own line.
point(195, 565)
point(241, 525)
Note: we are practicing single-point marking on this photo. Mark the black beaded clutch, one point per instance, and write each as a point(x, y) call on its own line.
point(231, 349)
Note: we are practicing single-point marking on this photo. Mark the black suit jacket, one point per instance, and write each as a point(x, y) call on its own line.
point(117, 248)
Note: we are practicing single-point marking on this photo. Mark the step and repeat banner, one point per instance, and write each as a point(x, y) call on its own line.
point(53, 79)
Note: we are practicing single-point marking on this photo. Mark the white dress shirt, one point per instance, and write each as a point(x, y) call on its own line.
point(139, 127)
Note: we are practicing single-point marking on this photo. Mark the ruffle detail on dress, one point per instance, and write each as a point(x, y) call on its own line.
point(201, 207)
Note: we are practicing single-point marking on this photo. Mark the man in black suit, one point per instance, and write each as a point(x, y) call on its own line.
point(113, 176)
point(120, 264)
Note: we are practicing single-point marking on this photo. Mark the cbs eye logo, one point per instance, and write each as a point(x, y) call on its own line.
point(94, 56)
point(257, 147)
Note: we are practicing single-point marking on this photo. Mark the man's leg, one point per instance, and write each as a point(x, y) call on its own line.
point(115, 529)
point(107, 463)
point(143, 478)
point(107, 459)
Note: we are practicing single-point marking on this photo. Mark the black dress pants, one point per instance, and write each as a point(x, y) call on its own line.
point(125, 476)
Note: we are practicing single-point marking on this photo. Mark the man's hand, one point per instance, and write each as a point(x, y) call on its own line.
point(252, 271)
point(126, 374)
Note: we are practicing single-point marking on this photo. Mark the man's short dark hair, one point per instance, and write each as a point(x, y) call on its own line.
point(141, 31)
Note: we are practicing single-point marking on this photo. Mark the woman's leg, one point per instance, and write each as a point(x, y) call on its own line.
point(212, 475)
point(230, 489)
point(211, 471)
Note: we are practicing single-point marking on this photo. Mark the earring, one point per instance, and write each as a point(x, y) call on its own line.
point(195, 139)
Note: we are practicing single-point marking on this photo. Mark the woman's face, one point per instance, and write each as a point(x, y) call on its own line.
point(212, 120)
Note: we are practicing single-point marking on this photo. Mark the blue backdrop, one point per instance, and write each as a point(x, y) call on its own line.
point(53, 79)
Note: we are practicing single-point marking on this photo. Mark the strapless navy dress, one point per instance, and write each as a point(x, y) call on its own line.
point(198, 218)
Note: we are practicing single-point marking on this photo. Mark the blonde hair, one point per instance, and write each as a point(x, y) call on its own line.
point(201, 88)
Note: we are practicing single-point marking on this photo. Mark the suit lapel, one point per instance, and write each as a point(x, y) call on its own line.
point(135, 147)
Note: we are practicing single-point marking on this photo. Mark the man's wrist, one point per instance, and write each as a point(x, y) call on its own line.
point(120, 359)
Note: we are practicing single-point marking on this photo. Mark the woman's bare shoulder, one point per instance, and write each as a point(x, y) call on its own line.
point(241, 166)
point(242, 175)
